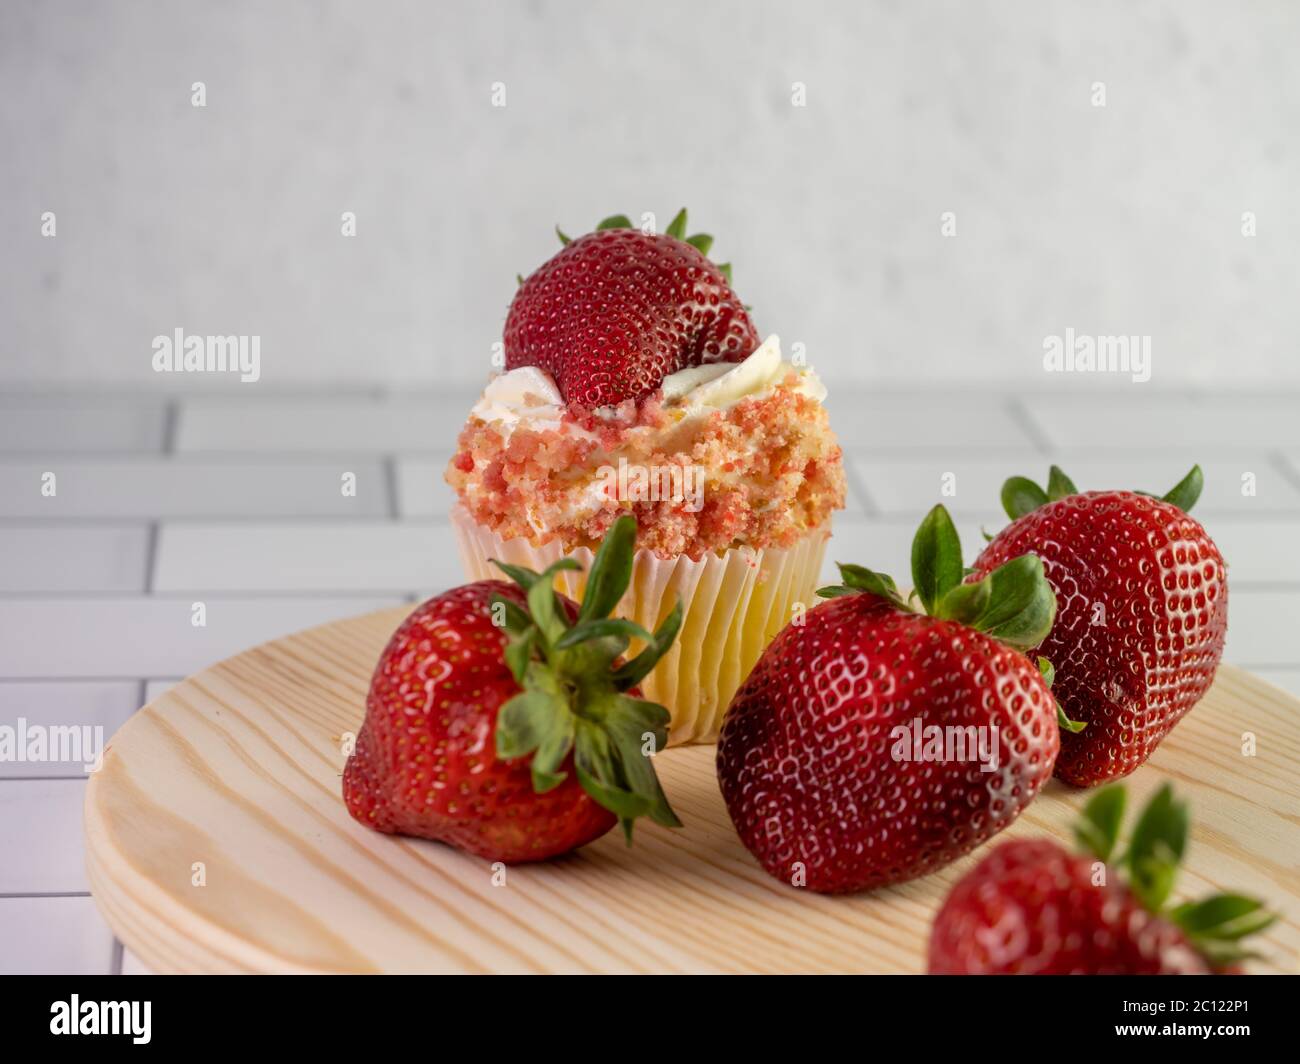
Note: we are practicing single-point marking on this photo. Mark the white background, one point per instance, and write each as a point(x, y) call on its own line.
point(1123, 219)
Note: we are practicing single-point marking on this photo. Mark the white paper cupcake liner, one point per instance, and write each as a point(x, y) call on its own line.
point(733, 604)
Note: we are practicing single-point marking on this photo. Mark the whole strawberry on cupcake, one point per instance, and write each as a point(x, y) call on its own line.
point(636, 383)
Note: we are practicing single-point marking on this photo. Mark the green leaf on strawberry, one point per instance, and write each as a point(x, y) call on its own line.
point(1185, 493)
point(574, 689)
point(1020, 495)
point(1215, 925)
point(966, 603)
point(702, 242)
point(1098, 831)
point(516, 619)
point(1014, 604)
point(519, 652)
point(1158, 843)
point(1059, 485)
point(1048, 672)
point(936, 558)
point(860, 578)
point(631, 673)
point(611, 571)
point(1021, 605)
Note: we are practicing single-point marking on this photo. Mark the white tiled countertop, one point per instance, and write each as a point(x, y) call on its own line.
point(236, 501)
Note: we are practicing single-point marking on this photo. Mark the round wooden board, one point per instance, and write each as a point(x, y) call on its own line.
point(216, 841)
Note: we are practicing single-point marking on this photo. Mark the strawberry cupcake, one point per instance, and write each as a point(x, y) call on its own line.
point(635, 383)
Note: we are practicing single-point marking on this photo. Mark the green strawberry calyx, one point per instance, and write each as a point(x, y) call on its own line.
point(1020, 495)
point(702, 242)
point(574, 685)
point(1215, 925)
point(1014, 603)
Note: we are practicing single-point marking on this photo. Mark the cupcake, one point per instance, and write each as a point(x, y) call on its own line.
point(635, 383)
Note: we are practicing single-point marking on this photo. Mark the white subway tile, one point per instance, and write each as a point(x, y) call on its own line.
point(1226, 480)
point(321, 556)
point(885, 544)
point(1259, 551)
point(52, 424)
point(130, 637)
point(909, 486)
point(179, 487)
point(40, 836)
point(1262, 627)
point(97, 557)
point(155, 688)
point(54, 936)
point(427, 422)
point(923, 421)
point(133, 965)
point(64, 704)
point(421, 491)
point(1142, 421)
point(914, 484)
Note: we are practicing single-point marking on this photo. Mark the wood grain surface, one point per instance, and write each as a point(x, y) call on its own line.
point(217, 841)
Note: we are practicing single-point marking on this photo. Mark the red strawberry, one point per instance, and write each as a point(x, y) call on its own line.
point(483, 675)
point(1143, 597)
point(1032, 908)
point(618, 310)
point(819, 758)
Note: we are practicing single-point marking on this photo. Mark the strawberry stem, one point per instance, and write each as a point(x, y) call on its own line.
point(573, 695)
point(1015, 604)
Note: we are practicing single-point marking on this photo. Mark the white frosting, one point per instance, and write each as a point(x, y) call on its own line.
point(721, 385)
point(529, 394)
point(524, 394)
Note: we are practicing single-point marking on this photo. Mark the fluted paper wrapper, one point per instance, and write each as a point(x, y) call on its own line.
point(733, 604)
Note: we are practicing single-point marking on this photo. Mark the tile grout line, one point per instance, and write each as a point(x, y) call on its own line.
point(390, 479)
point(183, 593)
point(1282, 465)
point(80, 777)
point(46, 894)
point(217, 519)
point(171, 419)
point(134, 678)
point(151, 556)
point(1024, 420)
point(858, 484)
point(115, 958)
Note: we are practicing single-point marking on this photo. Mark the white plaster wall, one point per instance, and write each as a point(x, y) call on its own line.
point(1122, 219)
